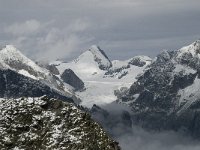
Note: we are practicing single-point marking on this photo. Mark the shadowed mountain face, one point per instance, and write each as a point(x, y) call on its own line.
point(167, 94)
point(100, 57)
point(69, 77)
point(14, 85)
point(21, 76)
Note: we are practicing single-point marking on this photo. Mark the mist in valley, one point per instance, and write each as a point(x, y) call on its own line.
point(115, 120)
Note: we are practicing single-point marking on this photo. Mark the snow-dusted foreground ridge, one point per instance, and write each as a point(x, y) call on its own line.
point(102, 76)
point(43, 123)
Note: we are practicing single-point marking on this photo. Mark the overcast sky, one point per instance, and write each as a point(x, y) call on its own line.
point(51, 29)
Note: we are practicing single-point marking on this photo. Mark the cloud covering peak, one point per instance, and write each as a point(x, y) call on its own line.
point(125, 28)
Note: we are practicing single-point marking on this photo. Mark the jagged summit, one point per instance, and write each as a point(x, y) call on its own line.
point(10, 52)
point(95, 55)
point(96, 49)
point(166, 95)
point(193, 49)
point(12, 58)
point(139, 61)
point(7, 53)
point(9, 47)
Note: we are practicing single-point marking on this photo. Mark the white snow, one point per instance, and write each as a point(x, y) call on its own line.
point(84, 66)
point(118, 64)
point(58, 133)
point(26, 73)
point(98, 92)
point(96, 51)
point(192, 48)
point(12, 58)
point(184, 69)
point(10, 54)
point(189, 95)
point(100, 87)
point(191, 92)
point(142, 58)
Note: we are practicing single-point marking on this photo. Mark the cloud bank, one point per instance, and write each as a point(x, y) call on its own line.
point(54, 29)
point(140, 139)
point(136, 138)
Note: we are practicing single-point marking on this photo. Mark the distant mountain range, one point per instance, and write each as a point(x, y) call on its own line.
point(167, 94)
point(101, 76)
point(163, 93)
point(32, 115)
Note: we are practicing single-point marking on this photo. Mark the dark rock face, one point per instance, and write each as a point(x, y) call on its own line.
point(14, 85)
point(155, 97)
point(102, 66)
point(137, 62)
point(72, 79)
point(19, 65)
point(123, 70)
point(111, 72)
point(43, 123)
point(53, 69)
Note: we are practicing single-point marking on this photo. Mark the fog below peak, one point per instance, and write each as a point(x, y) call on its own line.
point(130, 137)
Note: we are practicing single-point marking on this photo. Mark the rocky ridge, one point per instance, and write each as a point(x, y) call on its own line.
point(166, 95)
point(43, 123)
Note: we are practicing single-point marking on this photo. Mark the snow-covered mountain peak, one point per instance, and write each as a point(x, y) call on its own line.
point(10, 47)
point(12, 58)
point(163, 56)
point(96, 50)
point(143, 57)
point(196, 46)
point(140, 60)
point(102, 77)
point(95, 55)
point(94, 47)
point(193, 49)
point(10, 51)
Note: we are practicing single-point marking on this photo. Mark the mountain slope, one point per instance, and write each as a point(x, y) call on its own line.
point(69, 77)
point(127, 70)
point(101, 82)
point(92, 61)
point(100, 57)
point(15, 85)
point(43, 123)
point(20, 76)
point(167, 95)
point(11, 58)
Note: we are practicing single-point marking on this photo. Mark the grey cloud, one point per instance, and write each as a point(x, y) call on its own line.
point(28, 27)
point(123, 28)
point(140, 139)
point(50, 43)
